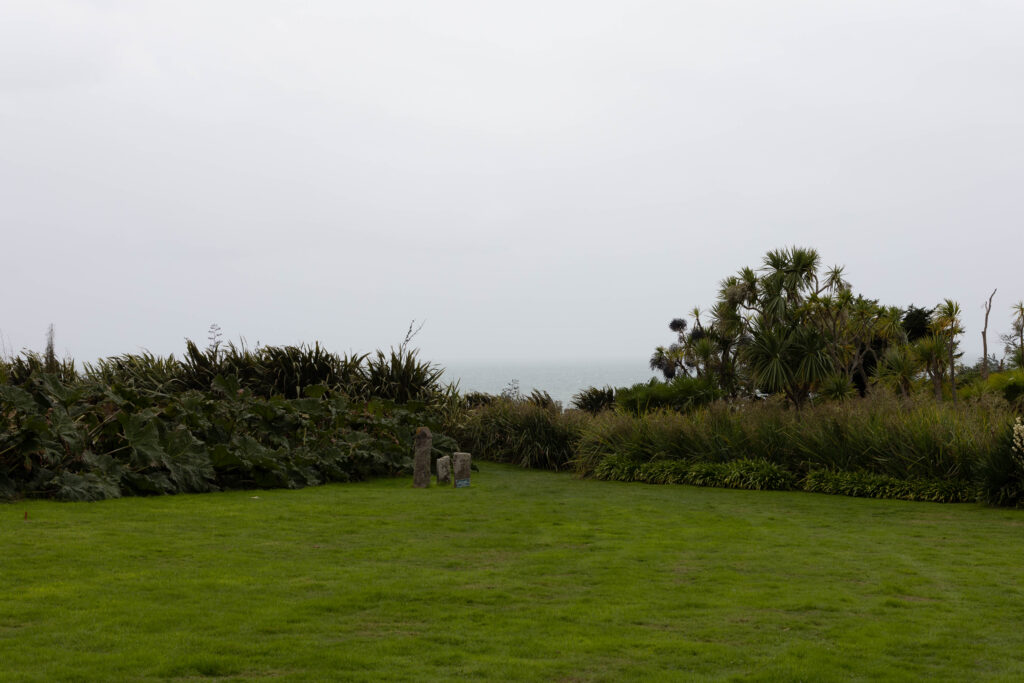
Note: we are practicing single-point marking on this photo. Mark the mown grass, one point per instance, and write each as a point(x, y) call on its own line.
point(526, 576)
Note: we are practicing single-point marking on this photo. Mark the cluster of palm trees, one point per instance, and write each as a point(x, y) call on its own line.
point(933, 353)
point(787, 328)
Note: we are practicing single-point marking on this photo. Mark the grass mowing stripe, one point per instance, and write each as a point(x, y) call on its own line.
point(524, 576)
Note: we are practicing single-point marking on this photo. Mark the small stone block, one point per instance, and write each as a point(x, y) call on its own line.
point(462, 464)
point(444, 470)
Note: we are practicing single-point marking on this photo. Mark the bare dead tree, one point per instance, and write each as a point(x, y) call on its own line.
point(984, 337)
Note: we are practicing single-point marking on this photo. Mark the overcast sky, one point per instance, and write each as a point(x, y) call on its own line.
point(537, 180)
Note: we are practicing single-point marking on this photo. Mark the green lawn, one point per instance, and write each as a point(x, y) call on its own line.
point(527, 575)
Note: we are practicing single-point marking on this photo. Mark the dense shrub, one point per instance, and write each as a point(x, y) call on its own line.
point(1009, 384)
point(1001, 478)
point(594, 399)
point(219, 418)
point(476, 399)
point(522, 433)
point(681, 394)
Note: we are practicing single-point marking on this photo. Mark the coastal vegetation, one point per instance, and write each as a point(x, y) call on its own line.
point(218, 418)
point(792, 381)
point(789, 381)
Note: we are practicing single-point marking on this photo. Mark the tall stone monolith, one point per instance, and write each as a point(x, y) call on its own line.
point(444, 470)
point(421, 458)
point(463, 463)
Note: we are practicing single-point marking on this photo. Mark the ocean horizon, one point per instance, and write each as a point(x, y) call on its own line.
point(562, 380)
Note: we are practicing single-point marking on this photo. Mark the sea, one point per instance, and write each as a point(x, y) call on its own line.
point(562, 380)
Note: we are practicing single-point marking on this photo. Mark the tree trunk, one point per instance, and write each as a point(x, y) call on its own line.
point(952, 370)
point(984, 338)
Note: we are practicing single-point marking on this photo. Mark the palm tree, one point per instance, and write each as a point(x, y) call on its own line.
point(930, 352)
point(898, 369)
point(668, 361)
point(889, 326)
point(701, 352)
point(791, 361)
point(947, 326)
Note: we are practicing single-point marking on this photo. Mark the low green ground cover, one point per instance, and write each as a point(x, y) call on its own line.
point(526, 576)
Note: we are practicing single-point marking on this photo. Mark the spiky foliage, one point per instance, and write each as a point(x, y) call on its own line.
point(1014, 342)
point(898, 369)
point(401, 376)
point(141, 371)
point(266, 371)
point(669, 361)
point(522, 433)
point(837, 388)
point(289, 370)
point(682, 394)
point(881, 435)
point(791, 362)
point(539, 397)
point(947, 327)
point(789, 326)
point(594, 399)
point(20, 369)
point(930, 353)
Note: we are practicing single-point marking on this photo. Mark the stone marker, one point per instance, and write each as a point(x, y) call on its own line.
point(444, 470)
point(462, 465)
point(421, 458)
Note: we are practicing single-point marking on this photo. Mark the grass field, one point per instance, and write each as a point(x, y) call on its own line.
point(527, 575)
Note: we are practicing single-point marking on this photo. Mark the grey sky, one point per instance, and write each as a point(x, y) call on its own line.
point(547, 179)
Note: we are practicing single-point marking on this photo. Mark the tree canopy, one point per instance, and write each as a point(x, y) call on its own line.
point(795, 328)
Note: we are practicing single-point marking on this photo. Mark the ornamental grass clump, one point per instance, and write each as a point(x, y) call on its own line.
point(594, 399)
point(881, 446)
point(522, 432)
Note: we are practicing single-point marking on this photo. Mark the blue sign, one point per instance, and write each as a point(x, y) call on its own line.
point(462, 483)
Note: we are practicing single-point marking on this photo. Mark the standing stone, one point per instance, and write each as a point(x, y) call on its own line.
point(462, 465)
point(444, 470)
point(421, 458)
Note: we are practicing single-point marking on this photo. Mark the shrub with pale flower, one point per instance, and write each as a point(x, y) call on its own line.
point(1018, 442)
